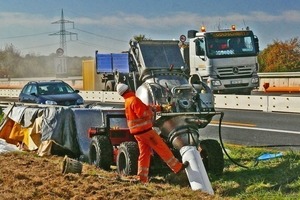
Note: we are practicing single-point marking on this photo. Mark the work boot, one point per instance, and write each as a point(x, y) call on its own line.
point(184, 165)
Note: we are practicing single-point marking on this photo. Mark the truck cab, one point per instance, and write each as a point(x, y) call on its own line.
point(226, 60)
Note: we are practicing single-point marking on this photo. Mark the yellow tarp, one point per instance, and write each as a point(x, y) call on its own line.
point(14, 133)
point(6, 130)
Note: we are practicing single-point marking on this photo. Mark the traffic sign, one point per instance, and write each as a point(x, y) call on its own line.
point(182, 38)
point(60, 52)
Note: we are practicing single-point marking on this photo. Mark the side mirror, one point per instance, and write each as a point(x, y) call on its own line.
point(199, 44)
point(256, 44)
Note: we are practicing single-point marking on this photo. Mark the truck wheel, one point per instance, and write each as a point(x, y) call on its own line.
point(212, 156)
point(127, 158)
point(101, 152)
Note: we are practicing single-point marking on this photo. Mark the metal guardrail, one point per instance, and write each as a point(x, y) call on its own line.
point(243, 102)
point(279, 74)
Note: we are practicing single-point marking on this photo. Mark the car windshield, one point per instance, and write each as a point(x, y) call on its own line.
point(54, 88)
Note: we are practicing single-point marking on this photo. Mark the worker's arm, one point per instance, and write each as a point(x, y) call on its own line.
point(141, 110)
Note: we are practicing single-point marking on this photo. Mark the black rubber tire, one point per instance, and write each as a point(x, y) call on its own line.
point(127, 158)
point(212, 156)
point(101, 152)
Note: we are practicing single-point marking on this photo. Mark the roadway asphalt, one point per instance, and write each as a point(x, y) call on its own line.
point(256, 128)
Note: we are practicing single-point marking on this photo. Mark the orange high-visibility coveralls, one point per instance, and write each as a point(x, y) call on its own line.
point(139, 119)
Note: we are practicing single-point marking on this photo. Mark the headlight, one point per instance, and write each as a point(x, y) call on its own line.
point(254, 80)
point(80, 101)
point(49, 102)
point(216, 82)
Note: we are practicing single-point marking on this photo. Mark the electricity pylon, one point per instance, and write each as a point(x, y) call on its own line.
point(62, 33)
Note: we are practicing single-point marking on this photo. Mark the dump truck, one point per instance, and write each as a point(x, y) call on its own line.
point(156, 71)
point(110, 68)
point(226, 59)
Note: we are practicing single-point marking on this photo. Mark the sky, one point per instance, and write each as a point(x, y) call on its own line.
point(108, 25)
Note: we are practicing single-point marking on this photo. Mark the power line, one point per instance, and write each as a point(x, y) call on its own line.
point(21, 36)
point(100, 35)
point(94, 45)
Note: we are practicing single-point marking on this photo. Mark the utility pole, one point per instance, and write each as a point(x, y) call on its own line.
point(60, 61)
point(62, 33)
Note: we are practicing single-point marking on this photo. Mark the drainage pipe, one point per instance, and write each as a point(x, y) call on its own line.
point(196, 172)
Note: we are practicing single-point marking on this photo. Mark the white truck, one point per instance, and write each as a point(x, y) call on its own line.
point(226, 59)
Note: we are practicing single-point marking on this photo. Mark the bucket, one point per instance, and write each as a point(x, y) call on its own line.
point(70, 165)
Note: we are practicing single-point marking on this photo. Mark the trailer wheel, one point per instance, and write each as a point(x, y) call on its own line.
point(212, 156)
point(127, 158)
point(101, 152)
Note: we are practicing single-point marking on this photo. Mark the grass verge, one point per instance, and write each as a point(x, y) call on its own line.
point(276, 178)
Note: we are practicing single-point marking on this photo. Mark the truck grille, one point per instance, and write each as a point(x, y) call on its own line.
point(227, 72)
point(66, 103)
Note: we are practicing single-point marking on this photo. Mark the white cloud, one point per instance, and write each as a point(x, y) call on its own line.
point(187, 19)
point(175, 20)
point(22, 19)
point(291, 16)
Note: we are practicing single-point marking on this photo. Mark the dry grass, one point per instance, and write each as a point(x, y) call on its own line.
point(27, 176)
point(24, 175)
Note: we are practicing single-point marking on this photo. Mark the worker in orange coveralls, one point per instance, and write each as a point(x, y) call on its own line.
point(139, 119)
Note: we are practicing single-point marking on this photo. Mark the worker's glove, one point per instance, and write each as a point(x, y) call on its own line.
point(167, 108)
point(156, 108)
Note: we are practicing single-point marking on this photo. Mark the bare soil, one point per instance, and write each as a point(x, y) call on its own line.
point(24, 175)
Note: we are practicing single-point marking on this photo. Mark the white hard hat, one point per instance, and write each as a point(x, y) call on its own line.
point(122, 88)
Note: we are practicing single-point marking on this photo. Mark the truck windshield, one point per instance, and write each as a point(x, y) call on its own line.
point(161, 54)
point(230, 44)
point(171, 81)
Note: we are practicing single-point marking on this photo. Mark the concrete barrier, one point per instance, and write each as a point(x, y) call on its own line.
point(243, 102)
point(283, 104)
point(101, 96)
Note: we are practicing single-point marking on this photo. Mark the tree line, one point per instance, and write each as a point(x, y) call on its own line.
point(14, 65)
point(280, 56)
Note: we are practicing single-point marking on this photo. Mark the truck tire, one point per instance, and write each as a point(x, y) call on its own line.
point(212, 156)
point(101, 152)
point(127, 158)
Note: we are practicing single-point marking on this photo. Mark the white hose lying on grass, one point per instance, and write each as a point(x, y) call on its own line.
point(196, 172)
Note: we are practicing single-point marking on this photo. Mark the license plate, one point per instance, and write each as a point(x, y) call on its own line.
point(236, 82)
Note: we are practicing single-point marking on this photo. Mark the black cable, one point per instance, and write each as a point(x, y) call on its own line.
point(222, 145)
point(262, 146)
